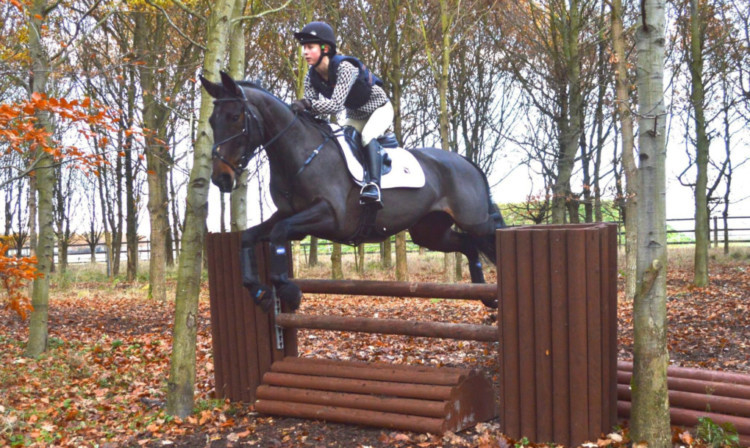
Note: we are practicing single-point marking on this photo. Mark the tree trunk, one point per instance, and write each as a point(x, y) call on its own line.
point(38, 331)
point(728, 174)
point(238, 197)
point(117, 236)
point(603, 62)
point(146, 35)
point(313, 259)
point(386, 254)
point(362, 253)
point(402, 269)
point(45, 181)
point(394, 77)
point(337, 271)
point(449, 265)
point(649, 418)
point(181, 383)
point(33, 235)
point(702, 239)
point(622, 88)
point(571, 116)
point(131, 212)
point(62, 255)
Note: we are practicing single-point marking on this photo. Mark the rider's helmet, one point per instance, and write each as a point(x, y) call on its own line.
point(318, 33)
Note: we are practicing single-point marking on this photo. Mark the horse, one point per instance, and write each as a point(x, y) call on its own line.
point(315, 194)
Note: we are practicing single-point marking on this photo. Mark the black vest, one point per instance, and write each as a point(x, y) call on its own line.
point(361, 89)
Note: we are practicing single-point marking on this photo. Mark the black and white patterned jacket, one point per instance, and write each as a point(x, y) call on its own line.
point(345, 77)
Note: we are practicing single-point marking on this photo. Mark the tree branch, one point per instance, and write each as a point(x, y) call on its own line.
point(184, 7)
point(65, 48)
point(174, 26)
point(261, 14)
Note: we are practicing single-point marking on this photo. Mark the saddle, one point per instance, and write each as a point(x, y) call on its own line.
point(400, 168)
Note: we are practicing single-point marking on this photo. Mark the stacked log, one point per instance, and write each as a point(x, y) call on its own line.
point(724, 397)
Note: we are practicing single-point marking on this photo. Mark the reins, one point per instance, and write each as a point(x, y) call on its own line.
point(247, 153)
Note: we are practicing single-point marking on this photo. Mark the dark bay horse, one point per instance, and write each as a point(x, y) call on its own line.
point(315, 195)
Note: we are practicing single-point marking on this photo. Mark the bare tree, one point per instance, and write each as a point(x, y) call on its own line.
point(65, 202)
point(627, 194)
point(93, 234)
point(650, 404)
point(181, 383)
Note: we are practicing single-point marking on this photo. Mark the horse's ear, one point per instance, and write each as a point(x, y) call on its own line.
point(230, 84)
point(213, 89)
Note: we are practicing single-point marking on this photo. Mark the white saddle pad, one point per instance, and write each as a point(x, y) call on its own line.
point(406, 172)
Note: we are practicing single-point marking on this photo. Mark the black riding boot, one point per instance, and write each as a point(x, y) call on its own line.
point(370, 193)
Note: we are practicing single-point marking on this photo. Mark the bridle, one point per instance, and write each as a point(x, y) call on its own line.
point(245, 132)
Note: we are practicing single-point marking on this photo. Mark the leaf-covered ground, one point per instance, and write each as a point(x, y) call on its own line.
point(103, 380)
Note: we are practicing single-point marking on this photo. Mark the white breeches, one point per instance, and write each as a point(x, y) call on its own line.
point(372, 128)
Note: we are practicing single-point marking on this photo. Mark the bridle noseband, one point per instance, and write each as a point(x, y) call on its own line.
point(248, 152)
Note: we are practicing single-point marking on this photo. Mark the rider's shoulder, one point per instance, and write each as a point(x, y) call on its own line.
point(348, 66)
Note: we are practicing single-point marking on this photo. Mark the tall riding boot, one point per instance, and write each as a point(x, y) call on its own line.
point(370, 193)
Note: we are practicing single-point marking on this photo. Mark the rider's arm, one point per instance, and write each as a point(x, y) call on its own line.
point(310, 92)
point(347, 74)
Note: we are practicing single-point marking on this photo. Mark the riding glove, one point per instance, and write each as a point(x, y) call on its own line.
point(301, 105)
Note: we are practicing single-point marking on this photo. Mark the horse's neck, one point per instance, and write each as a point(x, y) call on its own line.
point(287, 155)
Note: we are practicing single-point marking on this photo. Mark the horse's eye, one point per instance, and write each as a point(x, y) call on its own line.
point(235, 117)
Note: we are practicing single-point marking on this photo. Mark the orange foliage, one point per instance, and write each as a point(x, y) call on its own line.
point(14, 275)
point(20, 131)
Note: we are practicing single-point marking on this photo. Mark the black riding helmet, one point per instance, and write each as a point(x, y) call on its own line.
point(318, 33)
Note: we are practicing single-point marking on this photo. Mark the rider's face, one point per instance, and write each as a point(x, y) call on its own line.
point(311, 52)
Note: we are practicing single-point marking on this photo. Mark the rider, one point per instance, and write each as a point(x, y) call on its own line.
point(336, 82)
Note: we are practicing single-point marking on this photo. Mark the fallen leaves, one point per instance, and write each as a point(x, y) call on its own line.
point(708, 327)
point(103, 380)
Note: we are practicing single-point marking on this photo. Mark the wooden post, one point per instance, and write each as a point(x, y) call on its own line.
point(243, 336)
point(558, 332)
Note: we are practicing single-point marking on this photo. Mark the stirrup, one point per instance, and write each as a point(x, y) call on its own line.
point(367, 197)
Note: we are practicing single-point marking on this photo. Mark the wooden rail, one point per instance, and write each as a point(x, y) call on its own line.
point(466, 332)
point(467, 291)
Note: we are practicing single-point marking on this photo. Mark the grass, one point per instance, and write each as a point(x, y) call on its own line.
point(682, 256)
point(80, 274)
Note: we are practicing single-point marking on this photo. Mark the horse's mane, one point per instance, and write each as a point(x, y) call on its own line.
point(319, 124)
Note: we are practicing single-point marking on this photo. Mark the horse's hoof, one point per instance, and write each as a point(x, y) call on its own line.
point(490, 303)
point(290, 294)
point(490, 319)
point(258, 292)
point(266, 303)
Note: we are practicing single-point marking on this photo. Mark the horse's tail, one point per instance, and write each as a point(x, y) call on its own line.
point(486, 243)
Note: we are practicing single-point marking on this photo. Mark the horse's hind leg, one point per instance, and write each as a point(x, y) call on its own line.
point(434, 232)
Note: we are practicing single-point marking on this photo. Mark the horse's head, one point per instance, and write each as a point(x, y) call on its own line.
point(236, 129)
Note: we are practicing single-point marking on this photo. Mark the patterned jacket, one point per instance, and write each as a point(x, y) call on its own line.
point(345, 77)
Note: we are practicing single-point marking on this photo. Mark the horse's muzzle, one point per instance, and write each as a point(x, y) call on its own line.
point(225, 182)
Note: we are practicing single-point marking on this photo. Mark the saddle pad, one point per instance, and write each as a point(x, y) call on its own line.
point(406, 172)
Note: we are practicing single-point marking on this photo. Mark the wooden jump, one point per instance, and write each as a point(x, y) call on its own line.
point(556, 329)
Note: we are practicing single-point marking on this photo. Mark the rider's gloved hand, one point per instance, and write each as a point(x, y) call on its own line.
point(301, 105)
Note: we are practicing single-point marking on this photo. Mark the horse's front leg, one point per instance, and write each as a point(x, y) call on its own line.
point(260, 293)
point(319, 217)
